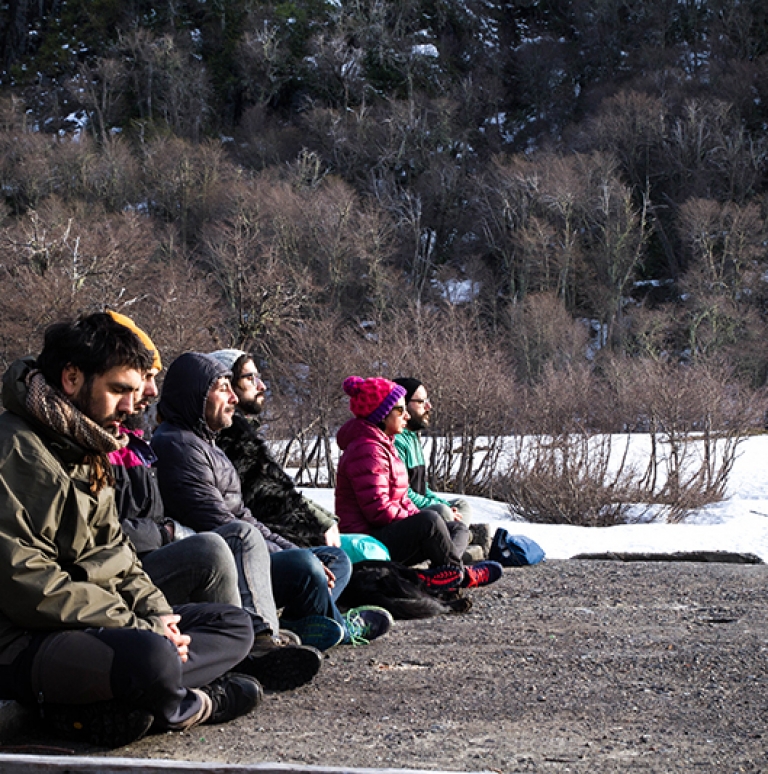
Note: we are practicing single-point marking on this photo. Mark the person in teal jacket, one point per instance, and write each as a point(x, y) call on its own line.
point(408, 446)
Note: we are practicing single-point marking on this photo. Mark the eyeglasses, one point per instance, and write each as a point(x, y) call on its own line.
point(252, 378)
point(420, 400)
point(399, 410)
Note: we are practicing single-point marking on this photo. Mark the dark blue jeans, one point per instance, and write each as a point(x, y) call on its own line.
point(300, 585)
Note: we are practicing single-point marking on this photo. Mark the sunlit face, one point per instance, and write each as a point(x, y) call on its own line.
point(220, 405)
point(108, 399)
point(397, 419)
point(149, 391)
point(419, 409)
point(250, 390)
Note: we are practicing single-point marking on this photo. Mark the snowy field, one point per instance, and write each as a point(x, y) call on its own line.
point(738, 523)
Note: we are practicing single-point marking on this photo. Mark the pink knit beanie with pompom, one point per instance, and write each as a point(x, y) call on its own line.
point(372, 399)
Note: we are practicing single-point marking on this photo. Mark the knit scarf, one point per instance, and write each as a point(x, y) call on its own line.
point(56, 411)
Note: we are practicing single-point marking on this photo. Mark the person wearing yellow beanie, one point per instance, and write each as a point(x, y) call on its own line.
point(149, 389)
point(230, 565)
point(127, 322)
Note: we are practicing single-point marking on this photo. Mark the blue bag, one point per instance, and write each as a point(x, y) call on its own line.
point(514, 550)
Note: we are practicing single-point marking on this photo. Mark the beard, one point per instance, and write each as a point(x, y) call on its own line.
point(139, 420)
point(83, 402)
point(252, 407)
point(418, 423)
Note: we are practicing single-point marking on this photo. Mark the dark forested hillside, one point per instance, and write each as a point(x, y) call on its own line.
point(531, 186)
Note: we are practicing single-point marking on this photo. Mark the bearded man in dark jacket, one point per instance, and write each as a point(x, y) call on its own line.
point(268, 491)
point(201, 489)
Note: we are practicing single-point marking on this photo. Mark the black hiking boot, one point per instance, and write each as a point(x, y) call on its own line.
point(232, 695)
point(103, 724)
point(282, 668)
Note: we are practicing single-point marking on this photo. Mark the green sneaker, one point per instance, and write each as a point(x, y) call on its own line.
point(366, 623)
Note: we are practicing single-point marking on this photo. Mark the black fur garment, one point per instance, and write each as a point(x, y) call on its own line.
point(268, 491)
point(399, 589)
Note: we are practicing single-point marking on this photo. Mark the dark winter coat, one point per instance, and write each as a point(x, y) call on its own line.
point(371, 482)
point(199, 485)
point(268, 491)
point(137, 494)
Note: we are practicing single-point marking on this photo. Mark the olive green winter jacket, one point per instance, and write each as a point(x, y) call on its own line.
point(64, 561)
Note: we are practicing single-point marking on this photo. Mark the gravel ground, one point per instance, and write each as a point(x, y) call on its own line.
point(577, 666)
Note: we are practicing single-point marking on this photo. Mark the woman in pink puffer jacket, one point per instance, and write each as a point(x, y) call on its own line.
point(372, 491)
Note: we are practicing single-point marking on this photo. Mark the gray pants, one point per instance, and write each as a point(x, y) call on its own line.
point(229, 565)
point(461, 505)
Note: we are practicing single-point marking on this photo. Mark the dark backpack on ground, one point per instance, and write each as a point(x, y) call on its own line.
point(514, 550)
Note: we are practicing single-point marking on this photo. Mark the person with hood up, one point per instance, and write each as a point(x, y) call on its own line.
point(229, 565)
point(201, 489)
point(372, 491)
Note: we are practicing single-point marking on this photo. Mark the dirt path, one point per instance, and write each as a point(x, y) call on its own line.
point(566, 666)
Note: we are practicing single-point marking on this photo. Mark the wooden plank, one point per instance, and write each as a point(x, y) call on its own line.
point(46, 764)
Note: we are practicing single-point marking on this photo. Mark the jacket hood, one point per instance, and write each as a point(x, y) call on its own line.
point(15, 401)
point(185, 391)
point(15, 386)
point(359, 428)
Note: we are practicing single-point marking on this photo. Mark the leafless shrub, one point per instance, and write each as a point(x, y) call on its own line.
point(61, 260)
point(569, 465)
point(101, 88)
point(177, 304)
point(696, 418)
point(26, 166)
point(726, 246)
point(541, 333)
point(707, 152)
point(262, 294)
point(566, 225)
point(110, 175)
point(569, 479)
point(170, 84)
point(308, 401)
point(298, 248)
point(185, 182)
point(562, 468)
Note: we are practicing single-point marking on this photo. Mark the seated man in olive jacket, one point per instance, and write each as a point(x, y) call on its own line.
point(85, 636)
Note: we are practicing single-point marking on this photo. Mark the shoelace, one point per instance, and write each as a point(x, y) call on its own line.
point(357, 628)
point(218, 696)
point(443, 577)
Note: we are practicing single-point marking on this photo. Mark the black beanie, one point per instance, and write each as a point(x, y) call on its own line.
point(410, 384)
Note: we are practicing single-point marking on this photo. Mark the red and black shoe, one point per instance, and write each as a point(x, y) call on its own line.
point(441, 578)
point(481, 574)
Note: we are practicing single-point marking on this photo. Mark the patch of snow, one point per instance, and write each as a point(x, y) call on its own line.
point(458, 291)
point(425, 49)
point(739, 523)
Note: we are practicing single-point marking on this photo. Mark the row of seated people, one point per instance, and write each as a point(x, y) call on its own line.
point(219, 528)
